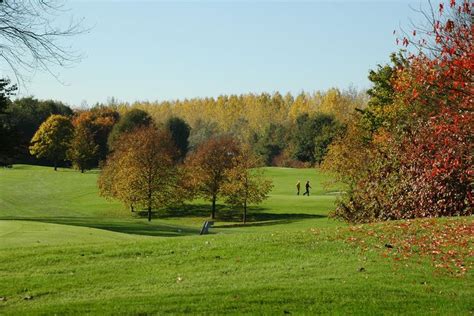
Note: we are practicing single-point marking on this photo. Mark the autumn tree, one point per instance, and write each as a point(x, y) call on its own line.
point(83, 150)
point(112, 181)
point(96, 124)
point(141, 171)
point(208, 166)
point(410, 154)
point(52, 139)
point(246, 185)
point(437, 84)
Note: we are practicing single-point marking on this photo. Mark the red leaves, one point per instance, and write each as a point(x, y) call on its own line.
point(449, 27)
point(422, 167)
point(445, 243)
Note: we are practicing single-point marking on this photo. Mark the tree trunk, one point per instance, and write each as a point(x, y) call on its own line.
point(131, 208)
point(55, 166)
point(82, 170)
point(149, 213)
point(213, 214)
point(245, 212)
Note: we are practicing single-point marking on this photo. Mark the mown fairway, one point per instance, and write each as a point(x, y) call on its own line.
point(63, 250)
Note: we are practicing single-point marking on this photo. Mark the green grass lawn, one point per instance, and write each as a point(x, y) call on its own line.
point(65, 250)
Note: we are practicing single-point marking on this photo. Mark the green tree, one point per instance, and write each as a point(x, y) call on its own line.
point(129, 121)
point(6, 139)
point(312, 129)
point(271, 143)
point(382, 95)
point(327, 134)
point(52, 139)
point(180, 131)
point(202, 132)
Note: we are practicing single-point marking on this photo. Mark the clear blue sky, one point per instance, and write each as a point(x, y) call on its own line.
point(154, 50)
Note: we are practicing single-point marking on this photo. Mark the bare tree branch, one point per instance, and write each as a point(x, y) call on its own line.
point(30, 37)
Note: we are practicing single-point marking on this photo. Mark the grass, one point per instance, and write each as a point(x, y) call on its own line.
point(64, 250)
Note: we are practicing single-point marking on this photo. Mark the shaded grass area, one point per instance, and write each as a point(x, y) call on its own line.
point(119, 226)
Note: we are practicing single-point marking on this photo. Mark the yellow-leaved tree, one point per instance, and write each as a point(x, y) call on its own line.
point(142, 171)
point(52, 139)
point(245, 184)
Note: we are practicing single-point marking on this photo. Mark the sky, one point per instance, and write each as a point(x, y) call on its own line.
point(157, 50)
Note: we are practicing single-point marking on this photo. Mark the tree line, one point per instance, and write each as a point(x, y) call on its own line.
point(281, 130)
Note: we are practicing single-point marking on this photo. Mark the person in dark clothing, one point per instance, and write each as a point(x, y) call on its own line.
point(307, 186)
point(298, 186)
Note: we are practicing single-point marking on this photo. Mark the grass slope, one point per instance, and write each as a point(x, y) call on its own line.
point(69, 197)
point(290, 259)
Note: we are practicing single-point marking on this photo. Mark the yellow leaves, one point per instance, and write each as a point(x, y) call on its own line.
point(52, 138)
point(141, 170)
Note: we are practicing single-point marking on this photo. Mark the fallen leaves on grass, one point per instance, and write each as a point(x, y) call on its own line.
point(447, 243)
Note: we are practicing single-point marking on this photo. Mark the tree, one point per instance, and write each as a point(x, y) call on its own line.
point(413, 155)
point(141, 170)
point(97, 122)
point(180, 131)
point(25, 115)
point(246, 185)
point(208, 166)
point(103, 119)
point(327, 134)
point(83, 150)
point(132, 119)
point(6, 139)
point(52, 139)
point(30, 37)
point(320, 128)
point(271, 143)
point(202, 132)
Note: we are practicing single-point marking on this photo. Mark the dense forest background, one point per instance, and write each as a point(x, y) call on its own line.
point(284, 130)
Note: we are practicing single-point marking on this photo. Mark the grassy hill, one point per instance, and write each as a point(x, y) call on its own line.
point(65, 250)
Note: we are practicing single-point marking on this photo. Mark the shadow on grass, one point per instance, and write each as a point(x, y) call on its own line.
point(137, 225)
point(256, 216)
point(267, 219)
point(126, 227)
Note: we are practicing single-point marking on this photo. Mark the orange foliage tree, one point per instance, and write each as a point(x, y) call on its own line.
point(207, 167)
point(410, 154)
point(141, 170)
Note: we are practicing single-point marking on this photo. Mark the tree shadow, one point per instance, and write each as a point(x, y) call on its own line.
point(267, 219)
point(185, 210)
point(256, 216)
point(125, 227)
